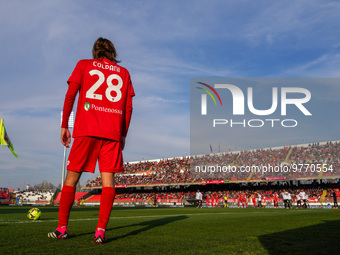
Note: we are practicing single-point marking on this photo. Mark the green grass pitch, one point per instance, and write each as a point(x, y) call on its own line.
point(175, 231)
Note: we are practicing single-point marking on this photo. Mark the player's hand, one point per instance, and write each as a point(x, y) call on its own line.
point(65, 137)
point(122, 141)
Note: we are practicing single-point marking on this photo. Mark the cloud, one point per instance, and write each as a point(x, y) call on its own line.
point(325, 65)
point(302, 23)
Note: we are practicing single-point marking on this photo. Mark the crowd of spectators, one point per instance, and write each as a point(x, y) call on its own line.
point(5, 193)
point(288, 162)
point(166, 171)
point(150, 196)
point(31, 196)
point(173, 165)
point(313, 194)
point(309, 161)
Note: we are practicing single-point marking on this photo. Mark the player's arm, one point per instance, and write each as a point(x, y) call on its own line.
point(126, 122)
point(70, 97)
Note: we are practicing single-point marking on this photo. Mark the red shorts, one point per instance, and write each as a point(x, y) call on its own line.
point(86, 151)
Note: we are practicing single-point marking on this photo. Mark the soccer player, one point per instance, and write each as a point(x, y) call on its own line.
point(254, 200)
point(259, 200)
point(289, 196)
point(335, 200)
point(239, 199)
point(305, 201)
point(199, 198)
point(155, 200)
point(216, 200)
point(103, 116)
point(275, 200)
point(298, 200)
point(285, 198)
point(226, 200)
point(213, 202)
point(207, 200)
point(303, 196)
point(245, 199)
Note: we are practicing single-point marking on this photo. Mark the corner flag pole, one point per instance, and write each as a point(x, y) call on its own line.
point(70, 125)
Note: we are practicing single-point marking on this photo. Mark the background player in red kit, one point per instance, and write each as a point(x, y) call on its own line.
point(216, 200)
point(208, 200)
point(275, 200)
point(254, 200)
point(239, 200)
point(245, 200)
point(103, 116)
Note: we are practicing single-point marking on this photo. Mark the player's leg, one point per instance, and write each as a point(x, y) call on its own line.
point(107, 197)
point(106, 202)
point(83, 157)
point(66, 201)
point(67, 196)
point(110, 161)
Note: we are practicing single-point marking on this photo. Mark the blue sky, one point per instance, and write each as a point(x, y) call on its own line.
point(163, 45)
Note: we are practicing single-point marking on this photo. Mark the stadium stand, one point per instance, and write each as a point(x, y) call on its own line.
point(309, 163)
point(282, 163)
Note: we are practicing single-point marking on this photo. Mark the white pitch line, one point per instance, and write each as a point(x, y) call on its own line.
point(115, 218)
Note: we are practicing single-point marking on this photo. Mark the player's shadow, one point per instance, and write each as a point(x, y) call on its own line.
point(147, 225)
point(316, 239)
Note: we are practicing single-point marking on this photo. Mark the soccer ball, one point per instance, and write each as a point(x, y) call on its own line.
point(34, 214)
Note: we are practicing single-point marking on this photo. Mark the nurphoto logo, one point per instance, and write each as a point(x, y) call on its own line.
point(280, 99)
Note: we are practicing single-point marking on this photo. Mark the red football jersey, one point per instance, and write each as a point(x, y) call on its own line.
point(104, 91)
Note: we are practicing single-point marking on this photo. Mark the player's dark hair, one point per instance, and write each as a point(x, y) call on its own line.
point(104, 48)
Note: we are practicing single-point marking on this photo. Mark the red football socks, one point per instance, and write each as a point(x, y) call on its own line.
point(65, 205)
point(106, 202)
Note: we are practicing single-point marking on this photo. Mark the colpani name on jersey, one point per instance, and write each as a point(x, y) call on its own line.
point(88, 106)
point(106, 67)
